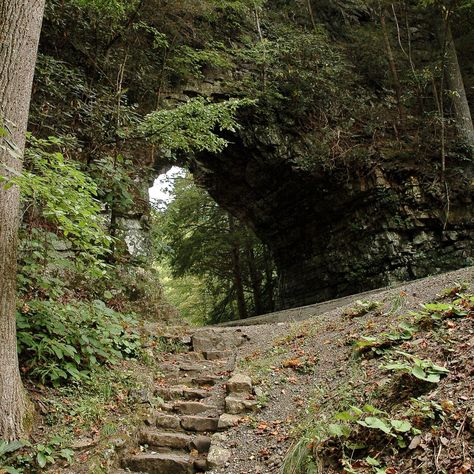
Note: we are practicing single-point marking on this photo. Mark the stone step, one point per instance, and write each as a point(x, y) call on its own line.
point(193, 369)
point(195, 381)
point(199, 423)
point(181, 391)
point(191, 408)
point(206, 380)
point(237, 405)
point(160, 463)
point(217, 355)
point(163, 420)
point(165, 439)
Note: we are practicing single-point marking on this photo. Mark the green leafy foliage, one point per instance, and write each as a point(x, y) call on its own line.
point(60, 195)
point(58, 343)
point(379, 344)
point(7, 449)
point(422, 369)
point(193, 125)
point(20, 457)
point(361, 308)
point(362, 428)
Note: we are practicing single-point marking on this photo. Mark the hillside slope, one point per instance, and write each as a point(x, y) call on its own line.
point(330, 406)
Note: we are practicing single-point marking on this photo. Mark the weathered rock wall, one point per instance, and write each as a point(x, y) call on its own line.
point(340, 230)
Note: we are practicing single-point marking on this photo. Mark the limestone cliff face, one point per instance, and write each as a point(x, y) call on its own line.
point(336, 230)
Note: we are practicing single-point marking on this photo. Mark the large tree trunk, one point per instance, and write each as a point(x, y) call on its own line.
point(20, 26)
point(458, 93)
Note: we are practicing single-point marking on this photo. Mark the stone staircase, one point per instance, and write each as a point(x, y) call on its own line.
point(202, 396)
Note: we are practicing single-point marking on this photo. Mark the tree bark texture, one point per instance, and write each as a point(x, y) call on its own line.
point(455, 82)
point(20, 27)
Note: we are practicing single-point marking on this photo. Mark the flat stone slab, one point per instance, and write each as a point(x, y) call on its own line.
point(180, 391)
point(204, 380)
point(169, 393)
point(191, 408)
point(160, 463)
point(212, 340)
point(190, 393)
point(165, 439)
point(192, 368)
point(199, 423)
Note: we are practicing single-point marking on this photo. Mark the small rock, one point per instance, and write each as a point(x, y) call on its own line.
point(201, 444)
point(82, 443)
point(200, 465)
point(415, 442)
point(142, 395)
point(235, 405)
point(219, 438)
point(227, 421)
point(259, 392)
point(239, 383)
point(217, 457)
point(118, 442)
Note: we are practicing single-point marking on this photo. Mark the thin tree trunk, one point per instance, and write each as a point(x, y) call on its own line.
point(20, 26)
point(237, 272)
point(393, 67)
point(269, 279)
point(260, 35)
point(255, 280)
point(310, 11)
point(458, 93)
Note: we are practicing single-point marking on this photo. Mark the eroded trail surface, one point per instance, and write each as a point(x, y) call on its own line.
point(237, 399)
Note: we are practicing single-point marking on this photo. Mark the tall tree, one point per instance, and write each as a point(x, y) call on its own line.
point(455, 82)
point(20, 27)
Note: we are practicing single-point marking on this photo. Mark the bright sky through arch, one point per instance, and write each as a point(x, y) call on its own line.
point(161, 192)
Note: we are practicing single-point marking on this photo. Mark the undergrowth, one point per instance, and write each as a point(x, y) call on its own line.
point(58, 342)
point(357, 430)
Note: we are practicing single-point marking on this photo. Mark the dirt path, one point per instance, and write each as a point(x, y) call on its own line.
point(295, 365)
point(235, 398)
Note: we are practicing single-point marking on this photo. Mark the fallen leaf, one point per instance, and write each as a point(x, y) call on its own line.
point(415, 442)
point(291, 363)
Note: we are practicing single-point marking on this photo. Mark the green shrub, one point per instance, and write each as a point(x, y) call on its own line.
point(59, 342)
